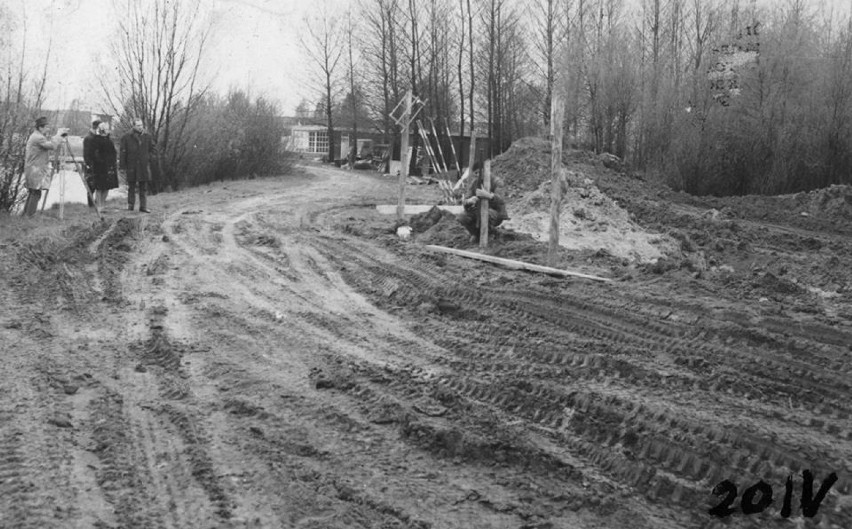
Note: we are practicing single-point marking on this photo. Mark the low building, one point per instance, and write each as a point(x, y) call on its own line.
point(311, 138)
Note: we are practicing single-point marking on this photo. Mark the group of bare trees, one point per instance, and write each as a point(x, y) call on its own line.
point(777, 123)
point(716, 96)
point(636, 78)
point(151, 70)
point(22, 90)
point(200, 136)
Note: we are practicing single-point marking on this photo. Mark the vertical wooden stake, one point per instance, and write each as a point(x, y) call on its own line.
point(557, 113)
point(403, 157)
point(483, 206)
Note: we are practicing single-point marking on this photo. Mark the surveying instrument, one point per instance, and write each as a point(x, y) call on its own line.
point(64, 151)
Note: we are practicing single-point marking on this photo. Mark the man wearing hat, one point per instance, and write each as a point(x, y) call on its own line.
point(137, 149)
point(37, 164)
point(88, 156)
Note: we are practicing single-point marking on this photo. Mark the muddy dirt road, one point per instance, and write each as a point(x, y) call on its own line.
point(264, 354)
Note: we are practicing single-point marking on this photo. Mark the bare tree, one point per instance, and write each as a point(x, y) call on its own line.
point(21, 99)
point(548, 32)
point(157, 54)
point(472, 87)
point(460, 65)
point(353, 94)
point(323, 41)
point(379, 46)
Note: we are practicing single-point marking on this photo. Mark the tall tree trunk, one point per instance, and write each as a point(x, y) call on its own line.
point(353, 141)
point(472, 79)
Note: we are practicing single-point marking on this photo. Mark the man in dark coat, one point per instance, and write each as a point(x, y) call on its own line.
point(137, 149)
point(87, 157)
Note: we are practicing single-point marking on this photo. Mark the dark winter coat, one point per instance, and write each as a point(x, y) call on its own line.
point(496, 204)
point(470, 217)
point(137, 149)
point(104, 163)
point(87, 150)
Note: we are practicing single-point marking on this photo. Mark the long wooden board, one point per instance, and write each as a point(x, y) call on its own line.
point(514, 265)
point(413, 209)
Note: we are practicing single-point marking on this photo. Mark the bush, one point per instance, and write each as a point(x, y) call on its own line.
point(229, 138)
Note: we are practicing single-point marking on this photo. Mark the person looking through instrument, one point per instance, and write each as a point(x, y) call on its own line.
point(37, 163)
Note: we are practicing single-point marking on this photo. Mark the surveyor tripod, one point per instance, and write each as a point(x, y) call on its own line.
point(64, 150)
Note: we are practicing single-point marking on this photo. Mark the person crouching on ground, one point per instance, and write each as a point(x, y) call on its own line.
point(103, 165)
point(476, 191)
point(37, 164)
point(137, 149)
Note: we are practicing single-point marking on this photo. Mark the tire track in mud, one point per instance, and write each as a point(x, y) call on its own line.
point(155, 469)
point(675, 456)
point(20, 502)
point(40, 461)
point(112, 252)
point(142, 477)
point(618, 329)
point(364, 507)
point(158, 353)
point(37, 444)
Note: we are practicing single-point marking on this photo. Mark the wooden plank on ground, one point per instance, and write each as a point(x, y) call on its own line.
point(514, 265)
point(413, 209)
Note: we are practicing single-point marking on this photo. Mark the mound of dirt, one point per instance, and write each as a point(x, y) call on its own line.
point(589, 219)
point(828, 209)
point(446, 230)
point(834, 202)
point(423, 221)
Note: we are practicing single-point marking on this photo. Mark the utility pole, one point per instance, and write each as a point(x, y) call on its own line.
point(557, 113)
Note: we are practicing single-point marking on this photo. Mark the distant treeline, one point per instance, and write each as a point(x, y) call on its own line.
point(714, 96)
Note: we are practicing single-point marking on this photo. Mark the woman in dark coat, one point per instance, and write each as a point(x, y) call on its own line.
point(105, 159)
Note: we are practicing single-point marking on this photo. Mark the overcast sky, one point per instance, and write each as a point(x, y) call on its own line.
point(255, 45)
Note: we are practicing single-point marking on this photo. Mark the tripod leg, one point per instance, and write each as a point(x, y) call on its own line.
point(82, 173)
point(43, 202)
point(89, 192)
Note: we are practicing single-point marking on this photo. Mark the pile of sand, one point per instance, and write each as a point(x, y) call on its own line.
point(589, 219)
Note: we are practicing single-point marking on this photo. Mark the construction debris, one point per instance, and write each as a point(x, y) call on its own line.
point(514, 265)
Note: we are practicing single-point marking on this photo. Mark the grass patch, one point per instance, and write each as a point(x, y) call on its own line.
point(45, 225)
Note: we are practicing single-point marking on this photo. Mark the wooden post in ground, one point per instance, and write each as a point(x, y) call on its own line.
point(483, 206)
point(403, 157)
point(557, 112)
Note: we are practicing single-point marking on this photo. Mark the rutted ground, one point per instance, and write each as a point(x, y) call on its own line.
point(269, 357)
